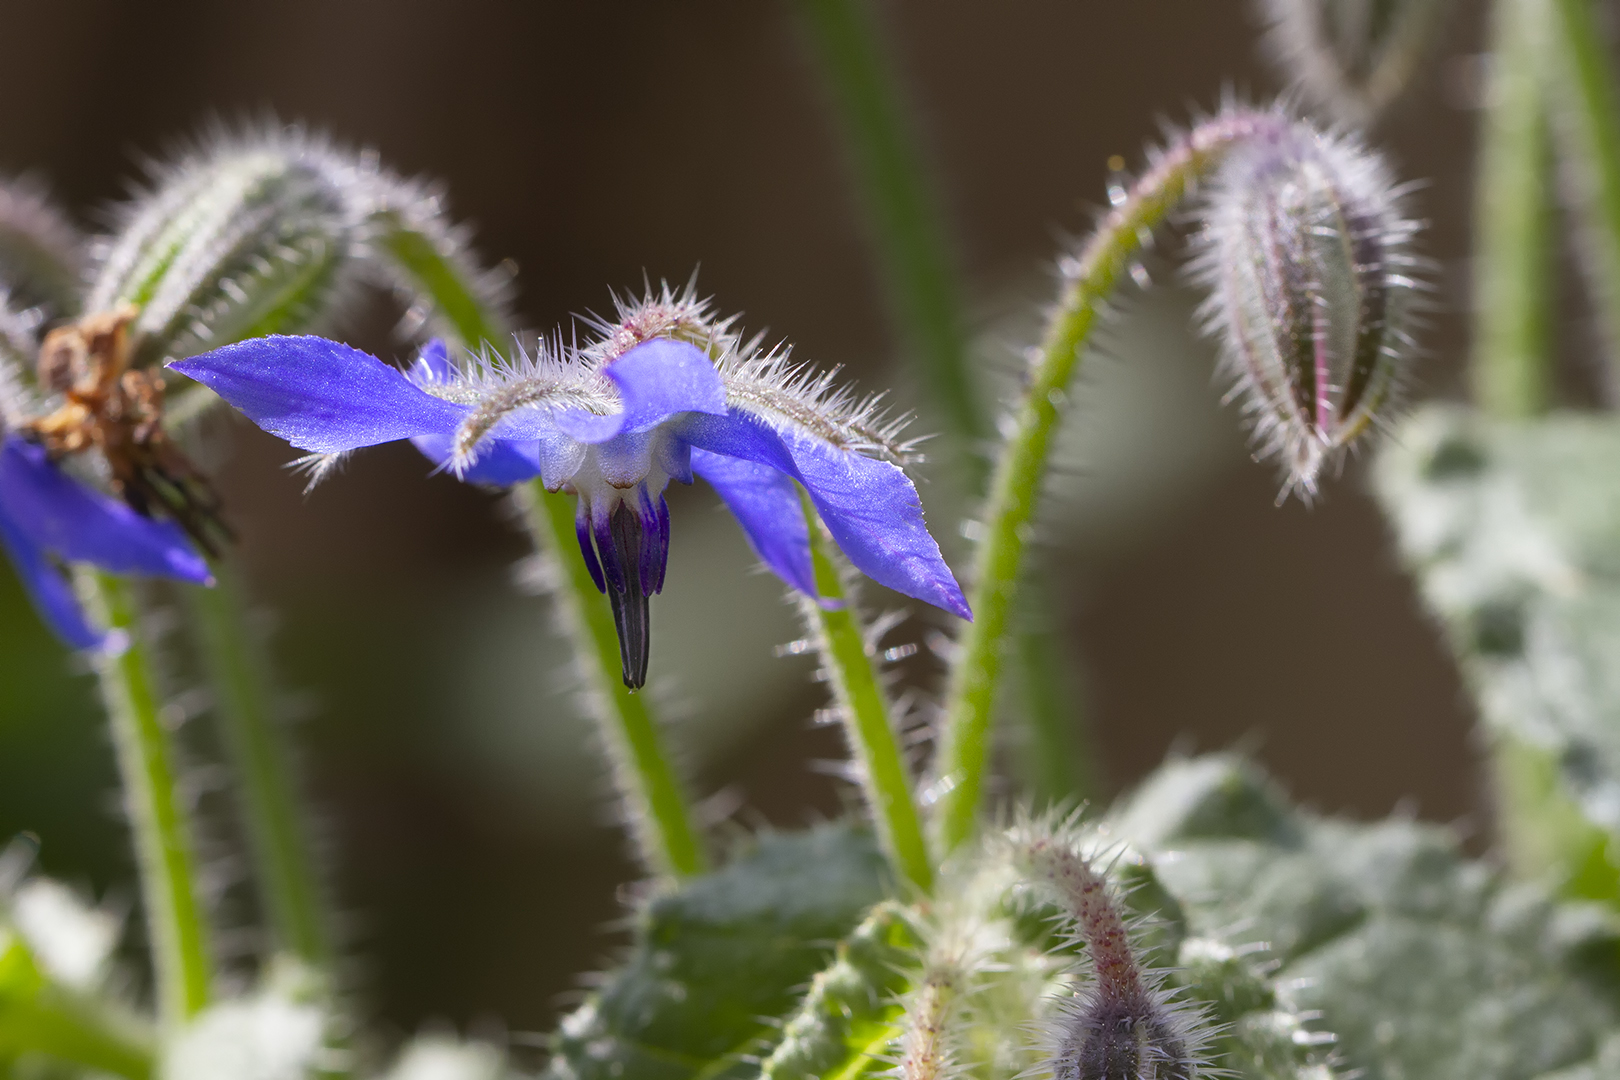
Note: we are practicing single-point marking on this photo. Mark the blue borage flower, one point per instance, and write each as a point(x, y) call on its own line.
point(614, 422)
point(46, 516)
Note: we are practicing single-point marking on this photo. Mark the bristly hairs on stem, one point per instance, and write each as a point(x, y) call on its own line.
point(1307, 253)
point(1122, 1025)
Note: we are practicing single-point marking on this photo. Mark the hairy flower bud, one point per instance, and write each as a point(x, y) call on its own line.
point(1122, 1026)
point(252, 236)
point(1308, 257)
point(1352, 57)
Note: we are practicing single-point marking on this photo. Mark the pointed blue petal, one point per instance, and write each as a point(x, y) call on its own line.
point(56, 513)
point(657, 379)
point(501, 462)
point(320, 395)
point(52, 595)
point(869, 506)
point(766, 504)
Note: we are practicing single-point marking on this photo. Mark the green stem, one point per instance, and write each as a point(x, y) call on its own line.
point(158, 817)
point(1016, 487)
point(1057, 764)
point(238, 674)
point(910, 241)
point(659, 816)
point(1513, 207)
point(864, 708)
point(910, 235)
point(1589, 138)
point(443, 276)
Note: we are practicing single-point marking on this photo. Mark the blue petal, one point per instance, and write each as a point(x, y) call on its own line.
point(432, 364)
point(321, 395)
point(52, 595)
point(766, 504)
point(501, 462)
point(657, 379)
point(869, 506)
point(55, 513)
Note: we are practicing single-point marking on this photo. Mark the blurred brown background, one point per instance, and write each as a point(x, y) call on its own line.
point(593, 142)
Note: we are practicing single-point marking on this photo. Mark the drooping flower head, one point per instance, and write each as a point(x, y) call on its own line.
point(665, 393)
point(48, 518)
point(1307, 253)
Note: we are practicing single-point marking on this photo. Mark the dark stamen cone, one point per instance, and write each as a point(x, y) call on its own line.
point(630, 607)
point(626, 552)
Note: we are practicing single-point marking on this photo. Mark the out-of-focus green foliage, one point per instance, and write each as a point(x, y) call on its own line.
point(1513, 531)
point(1420, 961)
point(1312, 948)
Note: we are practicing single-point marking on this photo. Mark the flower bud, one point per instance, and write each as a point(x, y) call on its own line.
point(251, 236)
point(1308, 259)
point(1353, 57)
point(1122, 1025)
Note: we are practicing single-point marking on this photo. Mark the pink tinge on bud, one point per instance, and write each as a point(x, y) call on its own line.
point(1121, 1026)
point(1307, 255)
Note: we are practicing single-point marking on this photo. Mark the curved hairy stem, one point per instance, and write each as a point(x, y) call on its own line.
point(181, 953)
point(267, 790)
point(1512, 360)
point(656, 805)
point(1016, 485)
point(863, 706)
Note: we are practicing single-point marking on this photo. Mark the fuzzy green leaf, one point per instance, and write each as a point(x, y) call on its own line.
point(716, 959)
point(850, 1015)
point(41, 1019)
point(1421, 962)
point(1513, 531)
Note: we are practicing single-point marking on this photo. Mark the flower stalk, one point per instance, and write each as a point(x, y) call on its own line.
point(909, 234)
point(1016, 486)
point(910, 240)
point(164, 845)
point(1511, 366)
point(1588, 130)
point(863, 706)
point(658, 813)
point(237, 671)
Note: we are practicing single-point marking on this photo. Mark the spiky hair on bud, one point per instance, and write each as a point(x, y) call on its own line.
point(18, 345)
point(662, 312)
point(268, 227)
point(1307, 252)
point(41, 251)
point(239, 232)
point(763, 381)
point(1352, 57)
point(1122, 1024)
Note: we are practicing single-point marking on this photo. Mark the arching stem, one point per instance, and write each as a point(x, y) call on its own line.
point(1016, 485)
